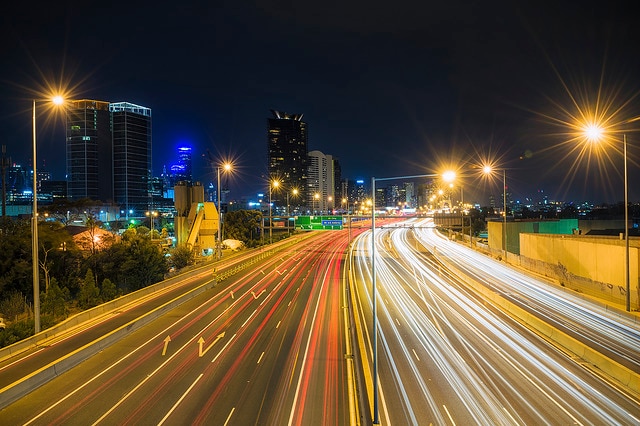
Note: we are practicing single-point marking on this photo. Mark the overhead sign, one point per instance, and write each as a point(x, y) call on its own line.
point(319, 223)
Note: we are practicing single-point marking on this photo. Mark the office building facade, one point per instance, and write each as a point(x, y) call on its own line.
point(89, 151)
point(287, 152)
point(321, 183)
point(131, 130)
point(108, 153)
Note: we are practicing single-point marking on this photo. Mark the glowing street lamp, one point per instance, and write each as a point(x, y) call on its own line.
point(151, 215)
point(346, 201)
point(226, 167)
point(294, 192)
point(56, 100)
point(595, 134)
point(487, 170)
point(274, 184)
point(316, 197)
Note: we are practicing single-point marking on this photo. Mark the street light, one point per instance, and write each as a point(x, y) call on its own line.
point(151, 215)
point(373, 280)
point(346, 201)
point(488, 170)
point(316, 197)
point(595, 133)
point(273, 184)
point(294, 192)
point(450, 177)
point(57, 100)
point(225, 167)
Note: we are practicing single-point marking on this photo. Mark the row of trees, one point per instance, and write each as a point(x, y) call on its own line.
point(74, 274)
point(90, 269)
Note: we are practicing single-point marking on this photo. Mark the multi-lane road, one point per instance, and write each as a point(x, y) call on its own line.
point(266, 347)
point(447, 356)
point(272, 341)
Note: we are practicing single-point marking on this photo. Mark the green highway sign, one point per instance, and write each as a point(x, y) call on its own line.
point(319, 223)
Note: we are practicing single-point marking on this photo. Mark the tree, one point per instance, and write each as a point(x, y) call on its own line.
point(182, 256)
point(133, 263)
point(242, 224)
point(13, 305)
point(52, 238)
point(108, 291)
point(55, 300)
point(89, 291)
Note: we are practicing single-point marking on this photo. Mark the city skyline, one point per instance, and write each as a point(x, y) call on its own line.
point(389, 92)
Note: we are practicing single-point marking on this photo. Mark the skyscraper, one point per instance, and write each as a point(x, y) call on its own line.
point(88, 151)
point(320, 181)
point(108, 148)
point(287, 155)
point(131, 155)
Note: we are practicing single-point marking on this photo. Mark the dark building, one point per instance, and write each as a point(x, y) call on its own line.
point(131, 155)
point(108, 151)
point(88, 150)
point(287, 153)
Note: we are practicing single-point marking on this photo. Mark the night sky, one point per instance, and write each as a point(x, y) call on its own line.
point(390, 88)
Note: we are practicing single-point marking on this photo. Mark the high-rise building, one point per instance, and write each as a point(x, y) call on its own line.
point(108, 148)
point(131, 155)
point(89, 151)
point(320, 182)
point(287, 151)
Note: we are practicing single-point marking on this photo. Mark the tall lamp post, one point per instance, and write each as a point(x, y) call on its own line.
point(151, 215)
point(273, 184)
point(594, 133)
point(316, 197)
point(225, 167)
point(346, 201)
point(57, 100)
point(376, 419)
point(488, 170)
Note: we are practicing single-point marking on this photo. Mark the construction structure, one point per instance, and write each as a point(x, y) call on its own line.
point(196, 221)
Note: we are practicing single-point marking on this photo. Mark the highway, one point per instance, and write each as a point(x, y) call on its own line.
point(606, 330)
point(267, 346)
point(446, 356)
point(268, 341)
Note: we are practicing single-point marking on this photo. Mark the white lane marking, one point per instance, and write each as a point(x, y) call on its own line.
point(180, 400)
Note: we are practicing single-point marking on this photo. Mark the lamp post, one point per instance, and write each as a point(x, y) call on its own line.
point(226, 167)
point(594, 133)
point(373, 281)
point(57, 100)
point(504, 219)
point(346, 201)
point(273, 184)
point(488, 170)
point(151, 215)
point(316, 197)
